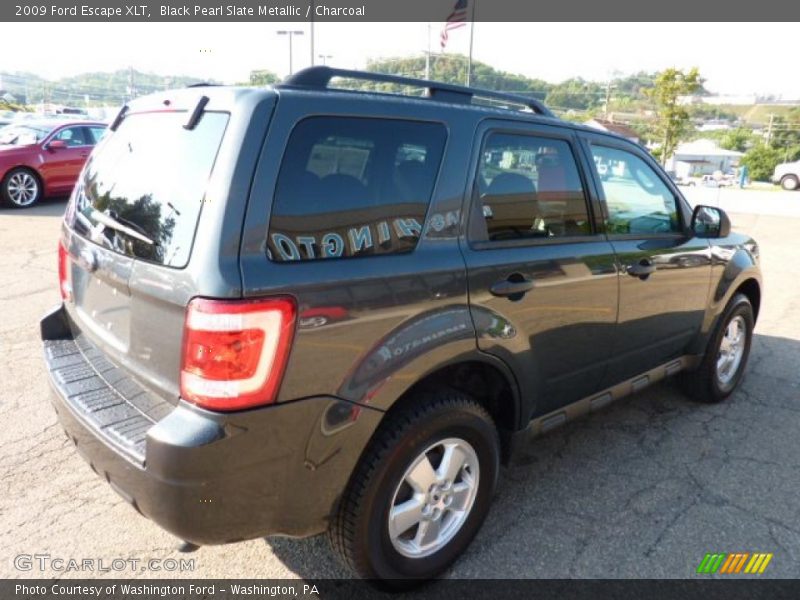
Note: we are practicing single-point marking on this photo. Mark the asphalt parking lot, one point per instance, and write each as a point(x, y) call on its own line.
point(643, 489)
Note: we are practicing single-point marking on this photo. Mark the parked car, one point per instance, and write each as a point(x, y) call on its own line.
point(718, 180)
point(40, 158)
point(787, 175)
point(211, 220)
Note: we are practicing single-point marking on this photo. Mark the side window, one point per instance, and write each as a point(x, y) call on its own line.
point(353, 187)
point(96, 133)
point(638, 201)
point(73, 136)
point(529, 187)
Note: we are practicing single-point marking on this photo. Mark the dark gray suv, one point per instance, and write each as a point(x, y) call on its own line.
point(300, 309)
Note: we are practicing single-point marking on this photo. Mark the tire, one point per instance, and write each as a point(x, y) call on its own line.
point(790, 183)
point(21, 188)
point(392, 473)
point(717, 377)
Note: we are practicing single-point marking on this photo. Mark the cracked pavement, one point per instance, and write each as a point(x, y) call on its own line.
point(642, 489)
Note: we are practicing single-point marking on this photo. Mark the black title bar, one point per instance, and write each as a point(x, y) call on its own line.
point(393, 10)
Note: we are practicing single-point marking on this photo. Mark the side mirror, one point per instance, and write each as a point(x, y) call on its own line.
point(56, 145)
point(710, 222)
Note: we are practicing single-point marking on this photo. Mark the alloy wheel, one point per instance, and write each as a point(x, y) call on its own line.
point(434, 498)
point(22, 188)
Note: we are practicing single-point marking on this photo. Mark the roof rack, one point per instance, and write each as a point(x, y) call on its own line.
point(320, 77)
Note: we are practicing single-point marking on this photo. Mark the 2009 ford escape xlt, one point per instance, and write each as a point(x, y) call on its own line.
point(302, 309)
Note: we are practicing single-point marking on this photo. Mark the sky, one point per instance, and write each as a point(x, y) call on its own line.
point(735, 58)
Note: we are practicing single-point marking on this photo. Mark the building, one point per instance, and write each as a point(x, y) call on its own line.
point(613, 127)
point(702, 157)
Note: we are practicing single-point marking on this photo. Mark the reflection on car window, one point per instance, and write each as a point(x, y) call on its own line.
point(22, 135)
point(638, 201)
point(353, 187)
point(134, 178)
point(73, 136)
point(97, 133)
point(529, 187)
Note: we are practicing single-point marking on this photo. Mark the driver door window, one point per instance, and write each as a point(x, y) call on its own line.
point(529, 187)
point(73, 136)
point(638, 201)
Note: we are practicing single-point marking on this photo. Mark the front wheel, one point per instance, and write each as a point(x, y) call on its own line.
point(726, 357)
point(421, 491)
point(21, 188)
point(790, 183)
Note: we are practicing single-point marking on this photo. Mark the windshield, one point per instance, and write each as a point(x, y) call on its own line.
point(142, 189)
point(23, 135)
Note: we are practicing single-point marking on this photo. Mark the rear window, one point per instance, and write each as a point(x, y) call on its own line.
point(354, 187)
point(142, 189)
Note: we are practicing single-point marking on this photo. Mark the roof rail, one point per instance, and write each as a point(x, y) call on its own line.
point(320, 77)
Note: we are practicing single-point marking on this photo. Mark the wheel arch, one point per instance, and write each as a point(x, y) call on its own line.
point(482, 377)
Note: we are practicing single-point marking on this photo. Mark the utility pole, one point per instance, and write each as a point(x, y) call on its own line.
point(769, 129)
point(290, 34)
point(608, 98)
point(428, 55)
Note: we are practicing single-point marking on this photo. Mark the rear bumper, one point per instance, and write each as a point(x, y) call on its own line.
point(206, 477)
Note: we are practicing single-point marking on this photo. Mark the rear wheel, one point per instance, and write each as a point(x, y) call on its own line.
point(790, 183)
point(421, 491)
point(21, 188)
point(726, 357)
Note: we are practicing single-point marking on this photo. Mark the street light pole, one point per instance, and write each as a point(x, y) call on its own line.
point(291, 34)
point(324, 58)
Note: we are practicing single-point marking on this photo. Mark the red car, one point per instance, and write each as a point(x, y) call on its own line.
point(41, 158)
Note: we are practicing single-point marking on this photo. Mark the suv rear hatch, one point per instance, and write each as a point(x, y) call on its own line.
point(129, 232)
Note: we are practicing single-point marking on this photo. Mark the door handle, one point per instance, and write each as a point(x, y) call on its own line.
point(643, 269)
point(514, 287)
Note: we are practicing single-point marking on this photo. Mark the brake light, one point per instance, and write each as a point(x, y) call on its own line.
point(235, 352)
point(64, 272)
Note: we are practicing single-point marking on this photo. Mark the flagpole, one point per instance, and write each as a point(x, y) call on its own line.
point(312, 32)
point(471, 35)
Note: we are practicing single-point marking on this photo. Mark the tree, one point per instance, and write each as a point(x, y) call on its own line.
point(674, 122)
point(576, 94)
point(263, 77)
point(737, 139)
point(761, 161)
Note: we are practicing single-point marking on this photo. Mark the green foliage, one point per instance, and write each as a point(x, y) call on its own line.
point(262, 77)
point(451, 68)
point(786, 130)
point(761, 161)
point(6, 105)
point(674, 122)
point(737, 139)
point(711, 111)
point(101, 88)
point(576, 94)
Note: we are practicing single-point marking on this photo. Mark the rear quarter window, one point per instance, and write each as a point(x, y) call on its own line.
point(351, 187)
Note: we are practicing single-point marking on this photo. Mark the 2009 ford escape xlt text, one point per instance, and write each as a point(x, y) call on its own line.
point(301, 309)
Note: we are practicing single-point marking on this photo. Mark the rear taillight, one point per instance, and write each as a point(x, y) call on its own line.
point(235, 352)
point(64, 272)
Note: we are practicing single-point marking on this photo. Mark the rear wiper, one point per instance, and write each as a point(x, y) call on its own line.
point(113, 223)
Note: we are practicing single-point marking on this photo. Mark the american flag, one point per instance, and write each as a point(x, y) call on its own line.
point(457, 18)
